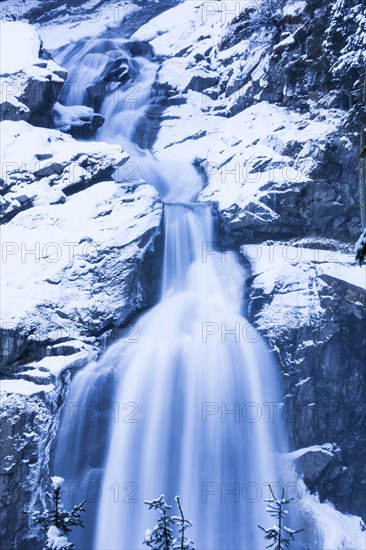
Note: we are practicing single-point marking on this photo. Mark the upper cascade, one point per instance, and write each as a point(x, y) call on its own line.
point(115, 78)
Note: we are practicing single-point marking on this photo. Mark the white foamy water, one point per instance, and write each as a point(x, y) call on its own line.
point(182, 406)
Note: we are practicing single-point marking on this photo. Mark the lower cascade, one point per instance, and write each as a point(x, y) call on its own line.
point(182, 404)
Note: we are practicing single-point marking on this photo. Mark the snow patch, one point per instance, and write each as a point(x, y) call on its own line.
point(294, 9)
point(55, 539)
point(330, 529)
point(23, 387)
point(20, 46)
point(69, 29)
point(326, 448)
point(57, 482)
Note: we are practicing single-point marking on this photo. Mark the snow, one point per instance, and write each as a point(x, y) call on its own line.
point(203, 21)
point(23, 145)
point(261, 131)
point(55, 539)
point(289, 41)
point(57, 482)
point(55, 365)
point(68, 29)
point(178, 73)
point(50, 368)
point(26, 78)
point(66, 117)
point(20, 46)
point(291, 277)
point(47, 240)
point(62, 161)
point(182, 135)
point(294, 302)
point(326, 448)
point(295, 8)
point(23, 387)
point(269, 261)
point(302, 382)
point(328, 528)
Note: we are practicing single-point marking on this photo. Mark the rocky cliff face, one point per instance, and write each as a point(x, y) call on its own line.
point(81, 255)
point(30, 81)
point(310, 304)
point(250, 98)
point(81, 232)
point(30, 404)
point(281, 162)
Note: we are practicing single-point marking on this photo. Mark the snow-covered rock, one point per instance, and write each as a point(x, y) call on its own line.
point(77, 269)
point(310, 304)
point(79, 121)
point(76, 246)
point(63, 22)
point(43, 166)
point(311, 462)
point(30, 81)
point(292, 278)
point(264, 173)
point(29, 415)
point(329, 528)
point(271, 142)
point(181, 28)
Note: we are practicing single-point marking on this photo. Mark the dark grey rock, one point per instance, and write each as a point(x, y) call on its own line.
point(324, 387)
point(200, 83)
point(312, 464)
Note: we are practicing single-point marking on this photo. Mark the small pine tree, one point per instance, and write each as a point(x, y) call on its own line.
point(58, 522)
point(182, 542)
point(279, 536)
point(162, 537)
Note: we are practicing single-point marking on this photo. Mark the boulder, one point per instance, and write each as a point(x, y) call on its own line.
point(79, 121)
point(314, 460)
point(42, 166)
point(117, 71)
point(30, 82)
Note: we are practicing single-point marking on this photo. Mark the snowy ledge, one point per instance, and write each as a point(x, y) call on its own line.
point(23, 387)
point(291, 282)
point(43, 376)
point(277, 261)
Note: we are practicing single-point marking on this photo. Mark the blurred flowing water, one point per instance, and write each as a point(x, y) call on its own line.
point(184, 405)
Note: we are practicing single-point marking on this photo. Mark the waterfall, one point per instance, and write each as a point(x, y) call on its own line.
point(185, 406)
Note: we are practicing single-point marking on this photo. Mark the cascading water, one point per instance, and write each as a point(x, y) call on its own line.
point(183, 407)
